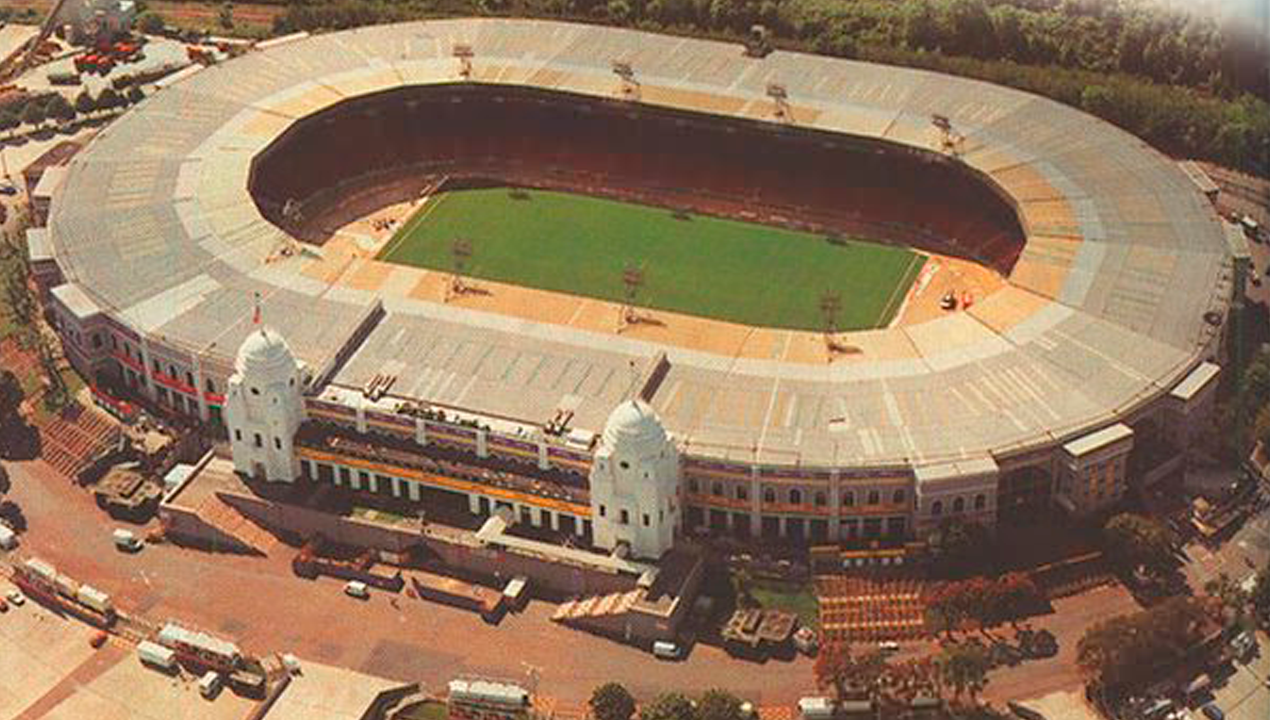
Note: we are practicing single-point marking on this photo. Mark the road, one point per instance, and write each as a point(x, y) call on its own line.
point(262, 605)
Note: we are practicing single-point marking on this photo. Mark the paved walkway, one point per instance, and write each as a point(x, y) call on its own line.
point(75, 681)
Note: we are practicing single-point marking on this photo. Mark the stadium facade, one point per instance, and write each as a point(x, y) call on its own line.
point(1099, 354)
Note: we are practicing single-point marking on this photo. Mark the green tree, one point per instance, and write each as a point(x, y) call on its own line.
point(135, 95)
point(1228, 592)
point(9, 120)
point(719, 705)
point(1260, 597)
point(612, 701)
point(60, 109)
point(84, 103)
point(225, 15)
point(958, 547)
point(33, 113)
point(109, 99)
point(669, 706)
point(1133, 541)
point(5, 482)
point(10, 399)
point(964, 667)
point(1130, 649)
point(150, 23)
point(921, 31)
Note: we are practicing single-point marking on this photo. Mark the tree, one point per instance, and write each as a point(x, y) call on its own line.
point(9, 120)
point(109, 99)
point(135, 95)
point(612, 701)
point(964, 668)
point(5, 482)
point(1134, 541)
point(150, 23)
point(1130, 649)
point(84, 103)
point(33, 113)
point(225, 15)
point(958, 547)
point(1260, 597)
point(719, 705)
point(1228, 592)
point(60, 109)
point(669, 706)
point(12, 516)
point(10, 399)
point(834, 668)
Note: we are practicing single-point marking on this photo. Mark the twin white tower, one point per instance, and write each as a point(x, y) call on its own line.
point(634, 475)
point(265, 407)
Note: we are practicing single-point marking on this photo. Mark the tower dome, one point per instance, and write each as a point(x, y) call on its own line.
point(265, 353)
point(634, 429)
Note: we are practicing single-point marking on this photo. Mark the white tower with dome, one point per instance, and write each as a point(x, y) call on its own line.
point(264, 407)
point(635, 483)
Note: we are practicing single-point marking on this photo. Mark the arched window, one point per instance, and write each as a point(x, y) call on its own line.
point(769, 495)
point(937, 507)
point(693, 486)
point(717, 489)
point(848, 499)
point(897, 497)
point(959, 505)
point(874, 497)
point(795, 496)
point(980, 502)
point(820, 499)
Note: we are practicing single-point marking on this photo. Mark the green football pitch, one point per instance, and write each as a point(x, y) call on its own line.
point(730, 270)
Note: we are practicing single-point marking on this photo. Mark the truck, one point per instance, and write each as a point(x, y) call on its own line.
point(156, 656)
point(43, 583)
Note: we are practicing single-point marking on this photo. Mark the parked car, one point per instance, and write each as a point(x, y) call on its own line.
point(1212, 712)
point(16, 597)
point(8, 189)
point(666, 650)
point(357, 589)
point(889, 647)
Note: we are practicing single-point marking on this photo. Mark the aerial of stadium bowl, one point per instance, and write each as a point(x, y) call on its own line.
point(633, 287)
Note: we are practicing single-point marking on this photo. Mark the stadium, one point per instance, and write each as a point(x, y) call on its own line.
point(813, 410)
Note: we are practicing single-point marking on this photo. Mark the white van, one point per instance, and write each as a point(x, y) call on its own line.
point(357, 589)
point(209, 685)
point(666, 650)
point(126, 541)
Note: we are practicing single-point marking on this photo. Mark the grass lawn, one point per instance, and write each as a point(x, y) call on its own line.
point(798, 599)
point(743, 272)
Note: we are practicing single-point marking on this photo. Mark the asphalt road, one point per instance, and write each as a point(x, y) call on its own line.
point(259, 603)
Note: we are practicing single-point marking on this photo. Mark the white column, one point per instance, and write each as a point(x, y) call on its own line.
point(396, 487)
point(421, 431)
point(413, 488)
point(544, 461)
point(482, 443)
point(474, 504)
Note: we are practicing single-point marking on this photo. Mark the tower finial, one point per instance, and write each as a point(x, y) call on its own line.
point(255, 317)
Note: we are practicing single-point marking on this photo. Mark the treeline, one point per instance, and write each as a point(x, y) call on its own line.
point(1184, 83)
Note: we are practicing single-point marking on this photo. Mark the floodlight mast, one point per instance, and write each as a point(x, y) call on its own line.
point(464, 53)
point(830, 305)
point(628, 86)
point(461, 252)
point(780, 96)
point(633, 279)
point(951, 141)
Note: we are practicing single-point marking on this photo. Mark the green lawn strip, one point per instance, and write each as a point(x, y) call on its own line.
point(731, 270)
point(798, 599)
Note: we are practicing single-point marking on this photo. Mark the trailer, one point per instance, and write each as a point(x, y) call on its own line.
point(43, 583)
point(200, 649)
point(156, 656)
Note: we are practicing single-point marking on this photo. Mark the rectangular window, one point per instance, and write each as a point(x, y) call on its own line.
point(277, 443)
point(238, 435)
point(647, 520)
point(626, 517)
point(259, 441)
point(603, 511)
point(363, 477)
point(345, 478)
point(742, 492)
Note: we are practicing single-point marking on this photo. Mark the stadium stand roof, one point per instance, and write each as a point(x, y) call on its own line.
point(1104, 310)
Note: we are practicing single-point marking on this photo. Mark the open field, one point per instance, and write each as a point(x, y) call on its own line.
point(736, 271)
